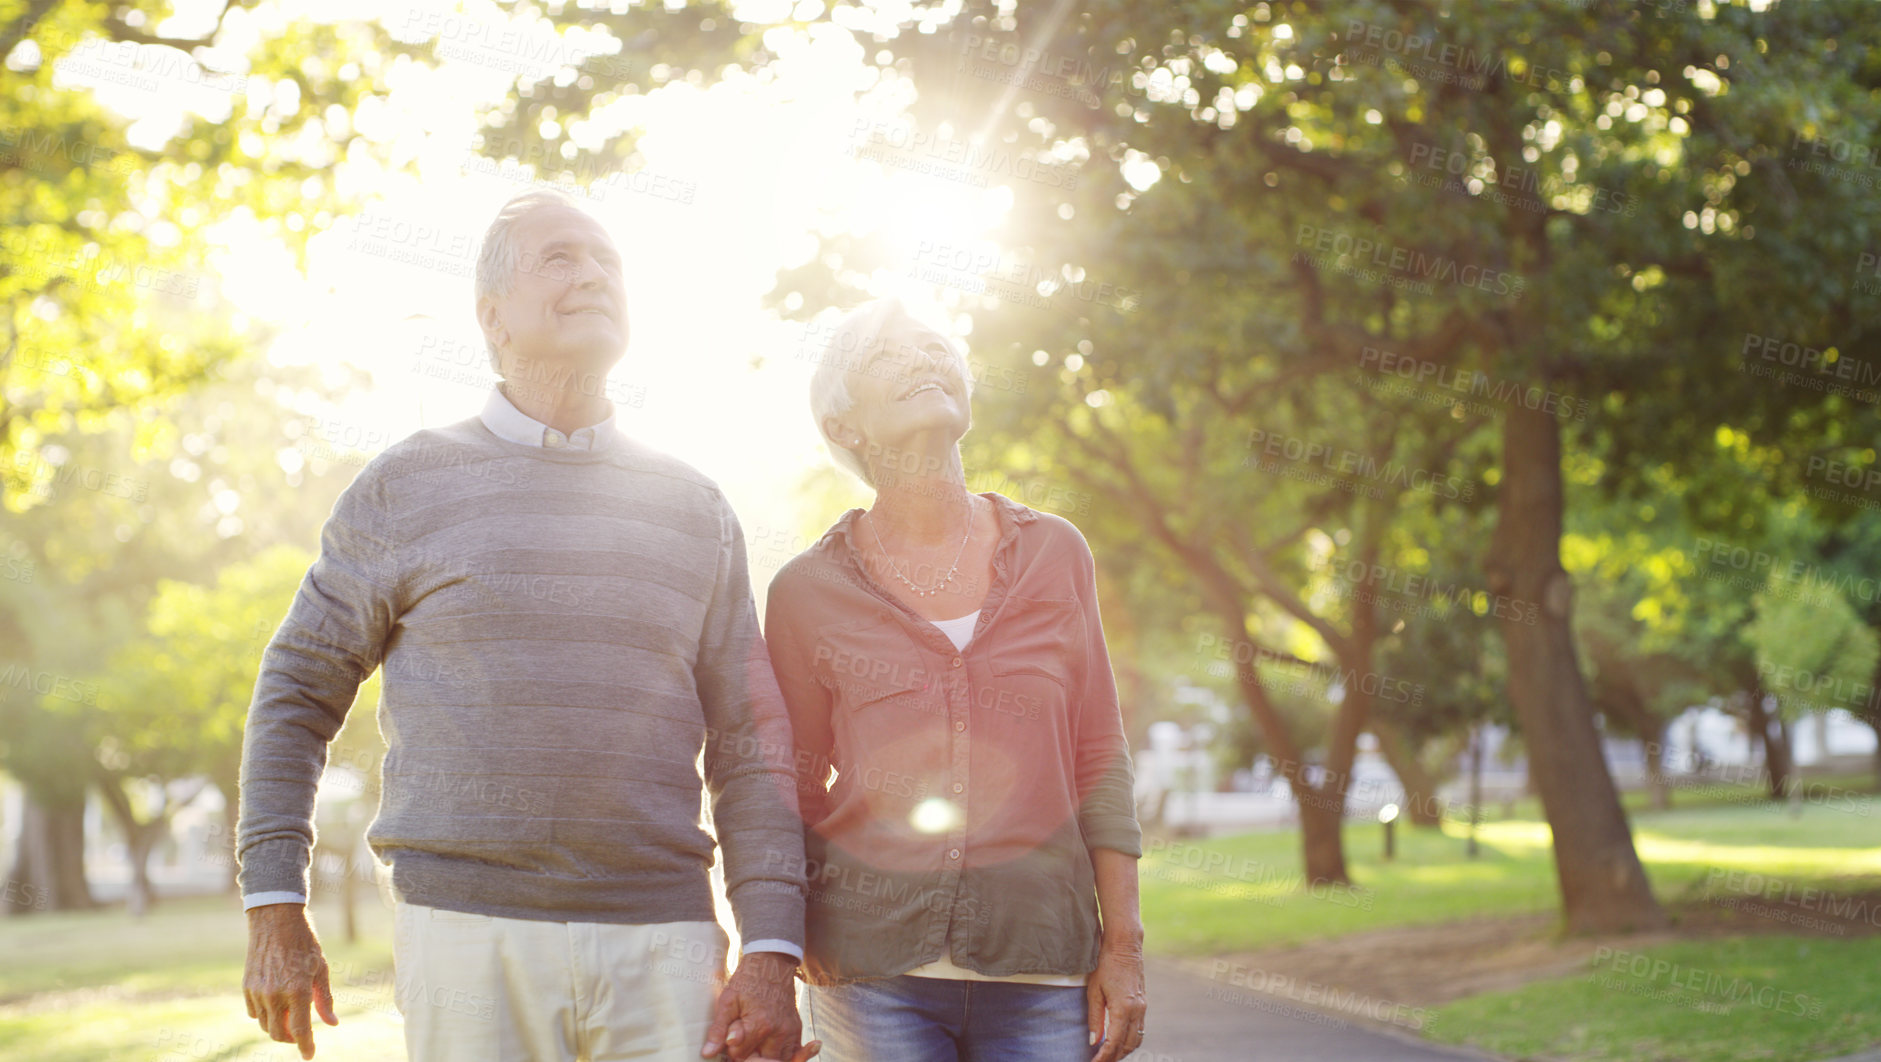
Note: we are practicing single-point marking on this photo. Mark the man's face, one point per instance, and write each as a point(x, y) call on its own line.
point(566, 303)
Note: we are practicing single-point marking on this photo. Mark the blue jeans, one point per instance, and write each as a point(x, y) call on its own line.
point(930, 1019)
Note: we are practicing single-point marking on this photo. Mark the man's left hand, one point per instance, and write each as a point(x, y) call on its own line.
point(756, 1014)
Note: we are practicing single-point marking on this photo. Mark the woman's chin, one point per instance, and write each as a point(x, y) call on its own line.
point(916, 419)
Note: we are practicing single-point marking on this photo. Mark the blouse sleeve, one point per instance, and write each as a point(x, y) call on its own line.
point(1106, 783)
point(805, 698)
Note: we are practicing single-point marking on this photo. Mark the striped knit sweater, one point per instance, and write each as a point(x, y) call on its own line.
point(564, 634)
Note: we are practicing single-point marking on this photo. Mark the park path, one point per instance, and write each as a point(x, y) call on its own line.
point(1195, 1019)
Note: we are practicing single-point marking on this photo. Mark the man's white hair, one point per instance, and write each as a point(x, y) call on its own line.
point(501, 251)
point(855, 338)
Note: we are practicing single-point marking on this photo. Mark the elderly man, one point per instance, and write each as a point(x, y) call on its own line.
point(565, 621)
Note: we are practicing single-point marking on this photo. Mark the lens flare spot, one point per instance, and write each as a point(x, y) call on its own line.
point(935, 815)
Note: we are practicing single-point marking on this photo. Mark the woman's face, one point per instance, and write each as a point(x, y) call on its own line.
point(909, 384)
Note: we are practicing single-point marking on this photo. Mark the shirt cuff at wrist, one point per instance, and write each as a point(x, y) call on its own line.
point(262, 899)
point(782, 947)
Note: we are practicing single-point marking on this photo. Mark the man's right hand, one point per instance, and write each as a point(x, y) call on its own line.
point(286, 973)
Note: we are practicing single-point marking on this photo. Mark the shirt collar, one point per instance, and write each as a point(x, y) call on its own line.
point(507, 422)
point(1011, 515)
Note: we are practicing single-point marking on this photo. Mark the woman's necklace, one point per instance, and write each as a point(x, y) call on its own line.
point(945, 579)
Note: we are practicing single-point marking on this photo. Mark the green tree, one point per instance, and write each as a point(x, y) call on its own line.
point(1826, 466)
point(1854, 550)
point(1594, 201)
point(1649, 654)
point(1809, 649)
point(110, 307)
point(1446, 644)
point(173, 492)
point(1671, 616)
point(1563, 209)
point(171, 705)
point(111, 265)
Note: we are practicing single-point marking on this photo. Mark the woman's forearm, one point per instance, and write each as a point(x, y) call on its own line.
point(1117, 898)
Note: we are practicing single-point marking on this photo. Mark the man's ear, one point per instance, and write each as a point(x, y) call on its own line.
point(492, 323)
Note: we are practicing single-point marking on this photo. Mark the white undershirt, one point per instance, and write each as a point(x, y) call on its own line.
point(960, 631)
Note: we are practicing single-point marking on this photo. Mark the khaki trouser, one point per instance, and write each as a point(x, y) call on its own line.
point(474, 988)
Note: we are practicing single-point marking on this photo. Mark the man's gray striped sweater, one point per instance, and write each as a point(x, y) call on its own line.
point(563, 633)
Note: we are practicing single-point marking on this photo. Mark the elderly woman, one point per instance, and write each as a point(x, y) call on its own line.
point(972, 862)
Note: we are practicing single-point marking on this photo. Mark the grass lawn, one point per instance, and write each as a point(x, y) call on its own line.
point(1737, 999)
point(104, 986)
point(86, 987)
point(1243, 893)
point(1723, 999)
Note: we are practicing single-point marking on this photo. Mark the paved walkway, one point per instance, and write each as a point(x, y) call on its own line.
point(1195, 1019)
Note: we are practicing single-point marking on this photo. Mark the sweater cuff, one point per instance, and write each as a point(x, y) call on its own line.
point(768, 911)
point(1117, 832)
point(275, 866)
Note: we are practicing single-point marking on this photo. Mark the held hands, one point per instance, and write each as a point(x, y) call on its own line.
point(1116, 999)
point(756, 1014)
point(286, 972)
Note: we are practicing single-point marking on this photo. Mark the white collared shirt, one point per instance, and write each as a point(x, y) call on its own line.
point(506, 422)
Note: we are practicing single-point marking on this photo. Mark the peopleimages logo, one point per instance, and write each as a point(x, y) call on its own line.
point(1829, 363)
point(1005, 61)
point(1450, 379)
point(1314, 994)
point(1267, 663)
point(902, 145)
point(1427, 55)
point(1266, 448)
point(1636, 973)
point(1403, 262)
point(1185, 864)
point(1784, 576)
point(1777, 891)
point(1366, 581)
point(1523, 187)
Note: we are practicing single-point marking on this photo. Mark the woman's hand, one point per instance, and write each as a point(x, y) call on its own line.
point(1116, 999)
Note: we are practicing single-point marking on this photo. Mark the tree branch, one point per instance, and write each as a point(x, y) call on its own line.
point(16, 31)
point(119, 30)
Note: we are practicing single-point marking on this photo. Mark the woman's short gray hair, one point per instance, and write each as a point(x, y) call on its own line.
point(500, 253)
point(850, 344)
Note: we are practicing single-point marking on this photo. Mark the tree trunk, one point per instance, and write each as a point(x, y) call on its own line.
point(1421, 807)
point(1656, 781)
point(1322, 806)
point(49, 870)
point(139, 838)
point(1625, 698)
point(1476, 785)
point(1784, 736)
point(1768, 731)
point(143, 837)
point(1322, 817)
point(1603, 887)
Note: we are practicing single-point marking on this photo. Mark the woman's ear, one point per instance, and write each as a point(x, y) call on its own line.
point(841, 433)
